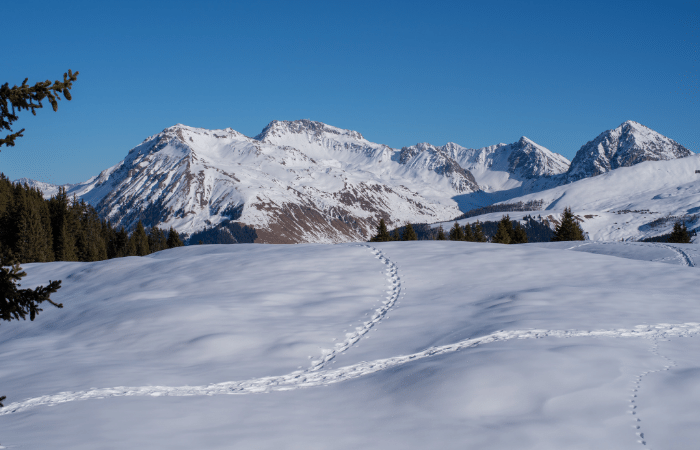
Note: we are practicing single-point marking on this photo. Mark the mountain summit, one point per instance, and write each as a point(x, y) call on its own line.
point(629, 144)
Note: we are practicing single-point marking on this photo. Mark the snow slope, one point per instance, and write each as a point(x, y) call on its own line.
point(400, 345)
point(629, 203)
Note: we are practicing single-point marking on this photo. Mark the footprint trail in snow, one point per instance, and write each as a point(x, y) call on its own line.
point(303, 379)
point(393, 291)
point(686, 260)
point(637, 424)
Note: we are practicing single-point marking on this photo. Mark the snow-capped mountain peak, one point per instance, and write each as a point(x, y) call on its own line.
point(624, 146)
point(278, 129)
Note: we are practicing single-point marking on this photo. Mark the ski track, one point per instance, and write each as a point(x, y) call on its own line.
point(392, 296)
point(309, 378)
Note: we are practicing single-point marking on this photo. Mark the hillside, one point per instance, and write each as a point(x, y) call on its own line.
point(402, 345)
point(630, 202)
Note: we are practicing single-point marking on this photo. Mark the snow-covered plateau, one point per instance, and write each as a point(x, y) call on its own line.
point(399, 345)
point(303, 181)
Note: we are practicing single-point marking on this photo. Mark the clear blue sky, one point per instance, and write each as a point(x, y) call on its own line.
point(475, 73)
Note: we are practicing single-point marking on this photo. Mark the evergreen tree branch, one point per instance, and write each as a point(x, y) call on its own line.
point(17, 98)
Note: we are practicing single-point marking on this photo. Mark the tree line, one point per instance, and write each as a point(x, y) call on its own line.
point(33, 229)
point(505, 231)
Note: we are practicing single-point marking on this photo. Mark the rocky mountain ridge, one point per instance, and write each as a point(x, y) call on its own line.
point(305, 181)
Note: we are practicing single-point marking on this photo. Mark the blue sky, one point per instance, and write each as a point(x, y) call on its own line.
point(475, 73)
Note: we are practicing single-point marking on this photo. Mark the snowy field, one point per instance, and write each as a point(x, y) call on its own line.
point(402, 345)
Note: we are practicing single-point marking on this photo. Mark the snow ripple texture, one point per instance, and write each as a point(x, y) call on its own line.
point(392, 295)
point(310, 378)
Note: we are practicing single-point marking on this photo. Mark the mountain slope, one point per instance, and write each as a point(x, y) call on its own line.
point(305, 181)
point(634, 202)
point(481, 350)
point(297, 181)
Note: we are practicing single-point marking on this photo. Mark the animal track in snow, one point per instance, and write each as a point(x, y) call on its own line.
point(635, 391)
point(308, 378)
point(393, 291)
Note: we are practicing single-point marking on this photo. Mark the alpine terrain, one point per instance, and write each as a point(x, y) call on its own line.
point(304, 181)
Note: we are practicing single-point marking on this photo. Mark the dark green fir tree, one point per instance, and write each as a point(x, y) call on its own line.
point(569, 228)
point(157, 240)
point(518, 234)
point(382, 233)
point(456, 233)
point(16, 303)
point(138, 242)
point(174, 239)
point(680, 234)
point(505, 229)
point(440, 234)
point(63, 226)
point(468, 233)
point(409, 234)
point(479, 235)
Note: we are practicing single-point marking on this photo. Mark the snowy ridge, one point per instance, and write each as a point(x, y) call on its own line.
point(313, 378)
point(299, 181)
point(305, 181)
point(48, 189)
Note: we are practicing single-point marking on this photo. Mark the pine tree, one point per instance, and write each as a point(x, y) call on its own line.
point(680, 234)
point(138, 242)
point(157, 240)
point(456, 233)
point(119, 246)
point(478, 233)
point(32, 226)
point(17, 303)
point(409, 234)
point(62, 227)
point(569, 228)
point(518, 234)
point(90, 243)
point(505, 229)
point(382, 233)
point(174, 239)
point(17, 98)
point(440, 234)
point(468, 234)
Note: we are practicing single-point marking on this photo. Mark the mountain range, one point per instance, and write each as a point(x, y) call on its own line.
point(305, 181)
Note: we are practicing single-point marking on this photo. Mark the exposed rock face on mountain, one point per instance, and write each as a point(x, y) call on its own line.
point(424, 156)
point(298, 181)
point(305, 181)
point(629, 144)
point(505, 166)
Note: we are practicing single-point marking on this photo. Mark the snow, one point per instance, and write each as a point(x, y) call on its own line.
point(305, 181)
point(627, 203)
point(394, 345)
